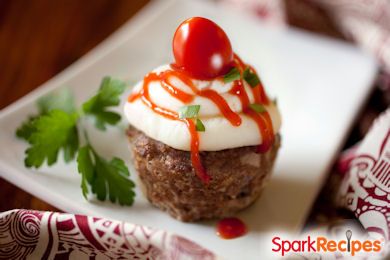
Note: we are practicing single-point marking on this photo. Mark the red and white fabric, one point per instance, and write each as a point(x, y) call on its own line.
point(365, 189)
point(26, 234)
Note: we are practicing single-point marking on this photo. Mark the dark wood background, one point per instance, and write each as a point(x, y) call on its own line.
point(40, 38)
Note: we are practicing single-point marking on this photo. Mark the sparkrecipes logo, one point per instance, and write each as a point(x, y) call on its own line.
point(322, 244)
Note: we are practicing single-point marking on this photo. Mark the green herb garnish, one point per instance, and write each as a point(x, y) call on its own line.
point(200, 126)
point(51, 133)
point(233, 74)
point(25, 130)
point(257, 108)
point(108, 96)
point(192, 112)
point(189, 111)
point(108, 179)
point(250, 77)
point(61, 99)
point(56, 128)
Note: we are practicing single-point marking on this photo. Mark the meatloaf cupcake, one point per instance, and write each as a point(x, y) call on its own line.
point(203, 132)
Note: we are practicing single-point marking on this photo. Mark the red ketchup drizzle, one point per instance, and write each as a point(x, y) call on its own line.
point(229, 228)
point(263, 120)
point(222, 105)
point(184, 97)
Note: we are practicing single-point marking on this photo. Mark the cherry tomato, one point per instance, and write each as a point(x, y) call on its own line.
point(202, 49)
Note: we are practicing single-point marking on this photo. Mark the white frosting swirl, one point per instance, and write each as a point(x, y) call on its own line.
point(220, 134)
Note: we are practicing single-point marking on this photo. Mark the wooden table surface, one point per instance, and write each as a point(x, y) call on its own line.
point(40, 38)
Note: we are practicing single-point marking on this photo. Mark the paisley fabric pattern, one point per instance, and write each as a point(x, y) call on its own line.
point(366, 186)
point(26, 234)
point(19, 234)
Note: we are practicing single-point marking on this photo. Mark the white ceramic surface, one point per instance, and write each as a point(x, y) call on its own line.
point(320, 85)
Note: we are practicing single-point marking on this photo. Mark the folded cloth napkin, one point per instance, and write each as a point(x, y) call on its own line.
point(26, 234)
point(365, 187)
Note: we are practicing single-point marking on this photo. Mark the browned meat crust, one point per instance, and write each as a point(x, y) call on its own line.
point(238, 177)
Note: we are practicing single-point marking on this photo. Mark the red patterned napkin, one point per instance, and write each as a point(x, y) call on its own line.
point(48, 235)
point(365, 188)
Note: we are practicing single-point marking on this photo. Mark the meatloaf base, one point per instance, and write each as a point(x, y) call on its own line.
point(238, 176)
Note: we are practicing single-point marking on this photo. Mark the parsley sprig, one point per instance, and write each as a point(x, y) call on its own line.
point(108, 96)
point(61, 99)
point(106, 178)
point(56, 128)
point(51, 133)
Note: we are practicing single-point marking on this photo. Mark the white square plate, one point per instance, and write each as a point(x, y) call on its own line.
point(320, 85)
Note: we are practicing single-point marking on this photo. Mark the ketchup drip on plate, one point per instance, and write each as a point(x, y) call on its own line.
point(229, 228)
point(189, 66)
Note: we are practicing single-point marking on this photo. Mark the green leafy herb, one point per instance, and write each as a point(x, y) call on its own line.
point(52, 132)
point(86, 168)
point(257, 108)
point(108, 96)
point(189, 111)
point(275, 101)
point(26, 129)
point(61, 99)
point(192, 111)
point(200, 126)
point(232, 75)
point(55, 129)
point(250, 77)
point(108, 179)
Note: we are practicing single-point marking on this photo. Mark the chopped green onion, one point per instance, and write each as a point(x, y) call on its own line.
point(232, 75)
point(257, 108)
point(250, 77)
point(189, 111)
point(200, 126)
